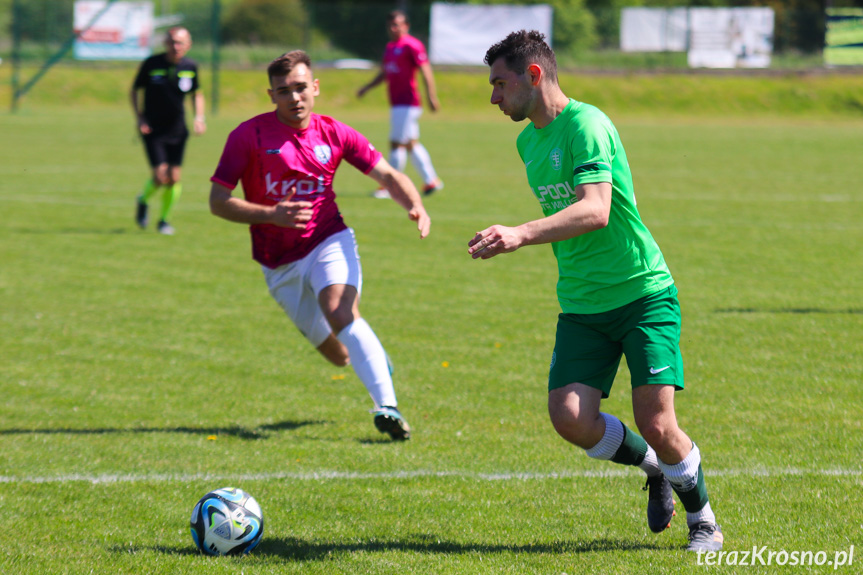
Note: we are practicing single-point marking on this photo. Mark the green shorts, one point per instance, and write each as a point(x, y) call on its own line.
point(588, 347)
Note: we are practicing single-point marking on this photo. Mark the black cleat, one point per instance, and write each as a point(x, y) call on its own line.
point(433, 187)
point(705, 537)
point(389, 420)
point(165, 228)
point(141, 214)
point(660, 504)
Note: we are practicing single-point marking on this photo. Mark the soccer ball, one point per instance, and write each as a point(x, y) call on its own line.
point(227, 521)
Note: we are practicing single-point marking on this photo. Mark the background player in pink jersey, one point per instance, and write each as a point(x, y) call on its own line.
point(286, 161)
point(403, 56)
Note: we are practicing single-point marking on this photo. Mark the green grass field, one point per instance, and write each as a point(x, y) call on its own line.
point(140, 371)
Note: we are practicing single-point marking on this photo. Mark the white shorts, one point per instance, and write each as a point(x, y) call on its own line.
point(405, 124)
point(295, 286)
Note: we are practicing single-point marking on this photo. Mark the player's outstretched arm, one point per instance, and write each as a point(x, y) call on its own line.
point(403, 192)
point(375, 81)
point(143, 127)
point(496, 240)
point(589, 213)
point(200, 123)
point(431, 89)
point(286, 214)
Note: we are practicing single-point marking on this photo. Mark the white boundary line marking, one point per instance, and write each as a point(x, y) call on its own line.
point(350, 476)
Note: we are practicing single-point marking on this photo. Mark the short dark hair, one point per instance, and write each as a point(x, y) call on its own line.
point(395, 14)
point(520, 49)
point(283, 65)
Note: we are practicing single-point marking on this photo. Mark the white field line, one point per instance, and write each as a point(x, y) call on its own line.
point(354, 476)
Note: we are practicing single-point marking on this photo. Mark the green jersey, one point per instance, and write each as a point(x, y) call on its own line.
point(607, 268)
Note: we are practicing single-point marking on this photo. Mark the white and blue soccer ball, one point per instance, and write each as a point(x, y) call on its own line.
point(227, 521)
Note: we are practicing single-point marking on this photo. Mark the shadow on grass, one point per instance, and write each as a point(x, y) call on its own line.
point(295, 549)
point(379, 441)
point(793, 310)
point(133, 549)
point(260, 432)
point(300, 550)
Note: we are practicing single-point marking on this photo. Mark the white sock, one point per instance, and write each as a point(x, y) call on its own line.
point(422, 162)
point(399, 158)
point(650, 465)
point(369, 361)
point(611, 440)
point(684, 477)
point(704, 516)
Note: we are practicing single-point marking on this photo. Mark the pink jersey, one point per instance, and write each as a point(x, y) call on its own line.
point(272, 159)
point(402, 58)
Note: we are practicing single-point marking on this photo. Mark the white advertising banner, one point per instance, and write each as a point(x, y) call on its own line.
point(654, 29)
point(730, 37)
point(115, 31)
point(462, 33)
point(712, 37)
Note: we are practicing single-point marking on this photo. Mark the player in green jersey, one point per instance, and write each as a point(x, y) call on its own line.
point(615, 291)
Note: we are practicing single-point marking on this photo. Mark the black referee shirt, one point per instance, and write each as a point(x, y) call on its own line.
point(165, 86)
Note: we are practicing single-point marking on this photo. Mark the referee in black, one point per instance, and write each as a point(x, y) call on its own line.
point(166, 79)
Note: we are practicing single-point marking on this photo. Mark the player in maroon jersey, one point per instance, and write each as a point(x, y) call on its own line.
point(403, 56)
point(286, 160)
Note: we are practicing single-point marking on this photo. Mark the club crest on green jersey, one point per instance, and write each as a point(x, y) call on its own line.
point(556, 158)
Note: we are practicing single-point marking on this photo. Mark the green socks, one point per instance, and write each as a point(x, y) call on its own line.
point(169, 198)
point(150, 190)
point(632, 450)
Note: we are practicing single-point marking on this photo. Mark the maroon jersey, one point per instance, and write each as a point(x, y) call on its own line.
point(273, 161)
point(402, 58)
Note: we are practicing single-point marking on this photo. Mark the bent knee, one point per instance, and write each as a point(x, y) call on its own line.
point(657, 434)
point(340, 319)
point(576, 427)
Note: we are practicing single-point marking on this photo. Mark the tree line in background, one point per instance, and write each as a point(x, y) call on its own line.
point(357, 26)
point(578, 25)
